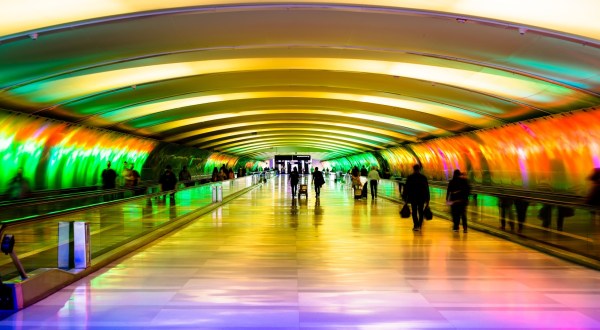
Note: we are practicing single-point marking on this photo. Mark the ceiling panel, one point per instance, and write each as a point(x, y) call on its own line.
point(364, 76)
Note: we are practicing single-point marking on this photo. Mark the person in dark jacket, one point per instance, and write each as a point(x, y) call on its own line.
point(185, 176)
point(294, 179)
point(18, 186)
point(457, 196)
point(416, 192)
point(168, 181)
point(364, 171)
point(109, 177)
point(318, 181)
point(215, 175)
point(593, 197)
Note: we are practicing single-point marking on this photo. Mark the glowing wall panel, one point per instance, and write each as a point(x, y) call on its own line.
point(218, 160)
point(344, 164)
point(441, 157)
point(399, 160)
point(555, 153)
point(59, 155)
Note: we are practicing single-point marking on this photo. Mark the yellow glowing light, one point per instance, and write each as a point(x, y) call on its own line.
point(290, 122)
point(271, 150)
point(471, 77)
point(575, 16)
point(359, 98)
point(245, 139)
point(295, 143)
point(338, 133)
point(296, 138)
point(286, 133)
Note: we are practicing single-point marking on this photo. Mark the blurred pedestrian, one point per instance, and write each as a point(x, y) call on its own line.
point(593, 197)
point(126, 179)
point(215, 175)
point(168, 181)
point(364, 171)
point(505, 205)
point(18, 187)
point(521, 206)
point(135, 176)
point(185, 176)
point(294, 179)
point(373, 178)
point(457, 195)
point(318, 181)
point(416, 192)
point(109, 177)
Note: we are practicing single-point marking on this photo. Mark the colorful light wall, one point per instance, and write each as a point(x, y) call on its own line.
point(555, 153)
point(59, 155)
point(344, 164)
point(56, 155)
point(399, 160)
point(218, 160)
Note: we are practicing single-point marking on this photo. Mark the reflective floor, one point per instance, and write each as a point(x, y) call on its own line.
point(267, 261)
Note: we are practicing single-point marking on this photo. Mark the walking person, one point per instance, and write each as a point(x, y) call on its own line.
point(126, 178)
point(457, 195)
point(416, 192)
point(18, 187)
point(318, 181)
point(356, 183)
point(109, 181)
point(505, 205)
point(185, 176)
point(593, 197)
point(373, 178)
point(521, 206)
point(137, 190)
point(109, 177)
point(168, 181)
point(294, 179)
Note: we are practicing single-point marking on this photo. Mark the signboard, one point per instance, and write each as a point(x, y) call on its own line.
point(282, 158)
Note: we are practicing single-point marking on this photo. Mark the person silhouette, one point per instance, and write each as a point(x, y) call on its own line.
point(109, 177)
point(294, 179)
point(318, 181)
point(416, 192)
point(18, 187)
point(457, 195)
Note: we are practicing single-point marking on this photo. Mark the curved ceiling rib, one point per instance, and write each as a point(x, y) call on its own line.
point(253, 138)
point(283, 124)
point(478, 79)
point(255, 78)
point(552, 17)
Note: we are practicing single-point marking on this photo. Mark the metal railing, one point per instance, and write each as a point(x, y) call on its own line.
point(556, 220)
point(112, 223)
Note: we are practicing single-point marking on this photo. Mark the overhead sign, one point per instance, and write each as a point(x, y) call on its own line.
point(280, 158)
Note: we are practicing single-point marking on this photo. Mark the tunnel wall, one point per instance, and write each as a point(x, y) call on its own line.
point(554, 153)
point(344, 164)
point(199, 162)
point(55, 154)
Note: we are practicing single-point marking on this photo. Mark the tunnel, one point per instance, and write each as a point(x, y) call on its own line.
point(506, 92)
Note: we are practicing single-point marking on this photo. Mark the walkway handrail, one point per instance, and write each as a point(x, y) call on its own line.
point(568, 200)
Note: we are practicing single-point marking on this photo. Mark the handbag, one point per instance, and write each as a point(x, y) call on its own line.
point(405, 212)
point(427, 213)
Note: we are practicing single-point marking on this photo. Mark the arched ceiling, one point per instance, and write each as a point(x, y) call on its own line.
point(333, 78)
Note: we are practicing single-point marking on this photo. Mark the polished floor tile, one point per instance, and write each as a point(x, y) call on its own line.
point(266, 261)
